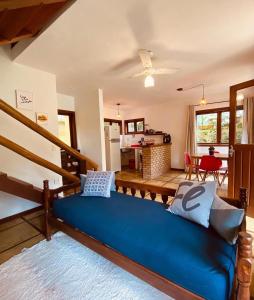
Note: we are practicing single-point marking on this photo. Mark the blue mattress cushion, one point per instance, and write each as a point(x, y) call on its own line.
point(186, 253)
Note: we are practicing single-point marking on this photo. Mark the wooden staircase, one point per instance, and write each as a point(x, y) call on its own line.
point(26, 190)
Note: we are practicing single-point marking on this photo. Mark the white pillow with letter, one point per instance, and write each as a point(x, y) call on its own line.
point(193, 201)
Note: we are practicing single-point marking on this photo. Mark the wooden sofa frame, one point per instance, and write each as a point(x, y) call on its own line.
point(242, 280)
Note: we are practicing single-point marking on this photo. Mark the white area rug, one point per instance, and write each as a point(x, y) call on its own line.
point(64, 269)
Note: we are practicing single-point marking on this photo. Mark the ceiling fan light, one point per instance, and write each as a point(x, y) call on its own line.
point(149, 81)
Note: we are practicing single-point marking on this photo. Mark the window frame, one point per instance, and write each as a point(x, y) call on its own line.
point(135, 121)
point(219, 112)
point(111, 121)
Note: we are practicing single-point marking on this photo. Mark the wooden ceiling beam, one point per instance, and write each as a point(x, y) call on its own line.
point(3, 15)
point(17, 4)
point(38, 21)
point(4, 41)
point(17, 20)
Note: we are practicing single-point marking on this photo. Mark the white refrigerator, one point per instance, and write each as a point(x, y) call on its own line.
point(112, 147)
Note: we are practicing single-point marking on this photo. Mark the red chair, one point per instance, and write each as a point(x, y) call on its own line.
point(189, 165)
point(210, 165)
point(224, 172)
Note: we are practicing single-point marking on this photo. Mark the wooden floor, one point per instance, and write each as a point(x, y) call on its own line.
point(20, 233)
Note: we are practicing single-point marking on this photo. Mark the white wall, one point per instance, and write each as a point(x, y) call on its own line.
point(170, 118)
point(43, 86)
point(65, 102)
point(111, 113)
point(90, 125)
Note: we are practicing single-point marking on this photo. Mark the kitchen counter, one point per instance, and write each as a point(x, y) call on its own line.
point(152, 160)
point(145, 146)
point(156, 160)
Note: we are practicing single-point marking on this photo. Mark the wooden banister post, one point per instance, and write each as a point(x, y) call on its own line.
point(244, 265)
point(82, 167)
point(244, 205)
point(46, 196)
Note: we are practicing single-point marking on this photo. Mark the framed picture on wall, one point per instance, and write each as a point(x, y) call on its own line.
point(24, 100)
point(42, 119)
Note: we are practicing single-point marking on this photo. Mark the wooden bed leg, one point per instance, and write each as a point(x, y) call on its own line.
point(46, 196)
point(244, 265)
point(143, 193)
point(153, 196)
point(133, 192)
point(164, 199)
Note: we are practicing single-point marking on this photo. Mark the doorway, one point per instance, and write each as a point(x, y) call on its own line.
point(241, 150)
point(67, 128)
point(68, 134)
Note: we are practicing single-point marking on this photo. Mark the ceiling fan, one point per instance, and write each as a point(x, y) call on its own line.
point(149, 71)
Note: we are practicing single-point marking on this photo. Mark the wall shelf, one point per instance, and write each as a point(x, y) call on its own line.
point(154, 133)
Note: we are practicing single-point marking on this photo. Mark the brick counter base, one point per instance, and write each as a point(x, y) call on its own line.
point(156, 160)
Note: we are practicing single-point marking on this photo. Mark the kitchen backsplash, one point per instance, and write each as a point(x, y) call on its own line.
point(128, 140)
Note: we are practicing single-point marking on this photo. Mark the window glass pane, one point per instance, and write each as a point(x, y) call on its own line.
point(207, 128)
point(140, 126)
point(239, 125)
point(225, 127)
point(131, 127)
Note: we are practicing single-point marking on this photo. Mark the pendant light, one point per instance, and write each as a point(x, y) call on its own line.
point(203, 100)
point(118, 110)
point(149, 81)
point(240, 97)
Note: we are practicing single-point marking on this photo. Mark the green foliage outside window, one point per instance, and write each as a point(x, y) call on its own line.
point(213, 128)
point(207, 128)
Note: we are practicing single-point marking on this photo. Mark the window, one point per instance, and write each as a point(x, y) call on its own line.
point(213, 126)
point(113, 121)
point(207, 128)
point(134, 126)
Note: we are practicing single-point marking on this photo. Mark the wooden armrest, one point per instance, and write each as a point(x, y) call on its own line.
point(244, 265)
point(64, 188)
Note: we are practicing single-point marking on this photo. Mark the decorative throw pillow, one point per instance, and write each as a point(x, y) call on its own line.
point(113, 184)
point(83, 181)
point(98, 183)
point(226, 219)
point(193, 201)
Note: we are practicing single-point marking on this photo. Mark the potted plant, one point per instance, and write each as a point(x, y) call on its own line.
point(211, 150)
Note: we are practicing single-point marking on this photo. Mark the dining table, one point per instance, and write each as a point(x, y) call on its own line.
point(196, 157)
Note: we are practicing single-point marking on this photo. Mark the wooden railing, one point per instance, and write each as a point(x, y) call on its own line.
point(35, 158)
point(84, 162)
point(20, 188)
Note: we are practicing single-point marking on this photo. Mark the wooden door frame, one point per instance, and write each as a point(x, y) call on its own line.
point(73, 130)
point(232, 130)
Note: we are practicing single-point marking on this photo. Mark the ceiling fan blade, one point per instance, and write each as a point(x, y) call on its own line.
point(163, 71)
point(145, 56)
point(143, 73)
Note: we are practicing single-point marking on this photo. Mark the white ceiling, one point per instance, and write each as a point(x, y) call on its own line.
point(95, 43)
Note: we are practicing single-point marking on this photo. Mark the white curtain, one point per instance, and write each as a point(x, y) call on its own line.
point(190, 146)
point(248, 121)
